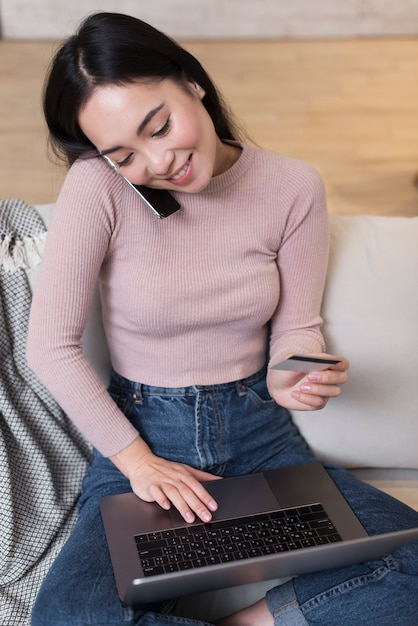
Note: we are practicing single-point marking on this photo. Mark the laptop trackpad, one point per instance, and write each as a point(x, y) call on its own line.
point(237, 497)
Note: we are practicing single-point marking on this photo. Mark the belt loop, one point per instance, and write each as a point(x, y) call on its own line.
point(241, 386)
point(137, 395)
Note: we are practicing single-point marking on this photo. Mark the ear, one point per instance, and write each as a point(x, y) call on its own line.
point(196, 88)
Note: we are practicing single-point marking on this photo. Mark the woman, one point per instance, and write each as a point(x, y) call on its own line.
point(196, 307)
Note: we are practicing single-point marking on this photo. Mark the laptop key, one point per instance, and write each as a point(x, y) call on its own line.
point(154, 571)
point(171, 567)
point(185, 565)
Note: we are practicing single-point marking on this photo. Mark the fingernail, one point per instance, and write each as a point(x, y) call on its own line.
point(314, 377)
point(206, 517)
point(305, 387)
point(295, 394)
point(212, 505)
point(189, 517)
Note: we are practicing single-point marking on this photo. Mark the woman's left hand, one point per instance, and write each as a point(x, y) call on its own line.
point(307, 392)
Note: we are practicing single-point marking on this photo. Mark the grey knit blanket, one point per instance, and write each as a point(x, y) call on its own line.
point(43, 458)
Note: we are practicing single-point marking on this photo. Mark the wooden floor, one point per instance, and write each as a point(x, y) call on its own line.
point(348, 107)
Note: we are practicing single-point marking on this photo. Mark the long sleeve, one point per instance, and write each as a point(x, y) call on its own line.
point(77, 243)
point(302, 262)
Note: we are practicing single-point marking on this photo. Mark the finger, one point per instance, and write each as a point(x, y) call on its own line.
point(200, 493)
point(309, 401)
point(187, 502)
point(321, 390)
point(196, 495)
point(167, 495)
point(186, 493)
point(158, 496)
point(202, 476)
point(343, 365)
point(327, 377)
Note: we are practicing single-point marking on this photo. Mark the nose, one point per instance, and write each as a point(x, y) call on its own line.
point(159, 161)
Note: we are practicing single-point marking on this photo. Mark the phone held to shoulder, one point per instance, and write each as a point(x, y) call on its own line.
point(305, 363)
point(160, 201)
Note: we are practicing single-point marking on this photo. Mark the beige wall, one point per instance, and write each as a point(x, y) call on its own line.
point(217, 19)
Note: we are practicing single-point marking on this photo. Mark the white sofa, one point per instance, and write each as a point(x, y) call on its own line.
point(370, 315)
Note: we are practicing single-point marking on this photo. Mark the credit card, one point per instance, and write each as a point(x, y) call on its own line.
point(305, 363)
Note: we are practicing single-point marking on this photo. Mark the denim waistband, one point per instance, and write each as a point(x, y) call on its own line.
point(143, 389)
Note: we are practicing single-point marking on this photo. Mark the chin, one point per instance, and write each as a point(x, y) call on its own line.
point(196, 186)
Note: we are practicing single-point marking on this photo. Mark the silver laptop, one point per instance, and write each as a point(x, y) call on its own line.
point(274, 524)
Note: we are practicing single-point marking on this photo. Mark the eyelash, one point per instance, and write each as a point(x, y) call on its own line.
point(125, 161)
point(164, 130)
point(160, 133)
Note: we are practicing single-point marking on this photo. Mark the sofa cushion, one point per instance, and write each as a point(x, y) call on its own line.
point(370, 315)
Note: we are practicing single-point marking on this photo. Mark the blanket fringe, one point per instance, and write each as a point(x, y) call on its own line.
point(21, 254)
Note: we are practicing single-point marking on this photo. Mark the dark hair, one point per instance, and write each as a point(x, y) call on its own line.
point(112, 48)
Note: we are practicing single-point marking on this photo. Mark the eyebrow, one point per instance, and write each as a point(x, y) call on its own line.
point(149, 116)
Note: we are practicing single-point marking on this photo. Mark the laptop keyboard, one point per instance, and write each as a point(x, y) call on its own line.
point(200, 545)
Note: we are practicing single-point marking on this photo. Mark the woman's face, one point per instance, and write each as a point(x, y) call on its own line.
point(157, 134)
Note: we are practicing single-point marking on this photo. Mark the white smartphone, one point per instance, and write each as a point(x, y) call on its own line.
point(305, 363)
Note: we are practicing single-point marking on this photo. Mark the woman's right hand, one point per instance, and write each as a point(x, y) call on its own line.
point(154, 479)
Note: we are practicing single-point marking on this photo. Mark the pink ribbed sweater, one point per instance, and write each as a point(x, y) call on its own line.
point(186, 300)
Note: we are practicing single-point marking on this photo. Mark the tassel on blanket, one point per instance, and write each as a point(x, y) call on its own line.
point(4, 248)
point(21, 254)
point(35, 248)
point(6, 260)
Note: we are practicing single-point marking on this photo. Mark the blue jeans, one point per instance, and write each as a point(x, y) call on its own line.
point(227, 429)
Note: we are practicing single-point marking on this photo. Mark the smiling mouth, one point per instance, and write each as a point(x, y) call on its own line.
point(182, 174)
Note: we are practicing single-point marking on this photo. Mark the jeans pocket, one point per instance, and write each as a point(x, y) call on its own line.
point(259, 392)
point(122, 398)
